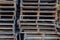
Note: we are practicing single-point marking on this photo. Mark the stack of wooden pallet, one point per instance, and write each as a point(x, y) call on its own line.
point(7, 14)
point(38, 19)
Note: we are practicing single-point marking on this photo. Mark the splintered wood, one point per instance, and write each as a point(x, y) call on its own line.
point(7, 14)
point(39, 17)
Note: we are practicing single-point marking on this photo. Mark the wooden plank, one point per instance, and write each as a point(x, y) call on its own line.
point(6, 24)
point(6, 28)
point(6, 36)
point(47, 3)
point(6, 32)
point(29, 3)
point(29, 7)
point(40, 15)
point(6, 19)
point(46, 20)
point(29, 11)
point(48, 11)
point(7, 7)
point(7, 0)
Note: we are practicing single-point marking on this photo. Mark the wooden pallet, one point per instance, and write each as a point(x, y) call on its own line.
point(32, 13)
point(40, 36)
